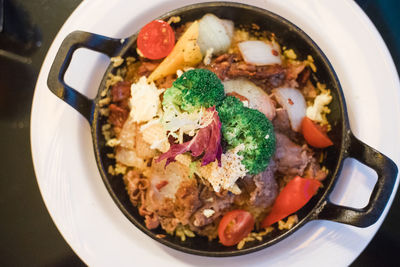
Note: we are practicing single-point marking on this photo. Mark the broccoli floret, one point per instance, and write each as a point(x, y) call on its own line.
point(199, 88)
point(242, 125)
point(172, 98)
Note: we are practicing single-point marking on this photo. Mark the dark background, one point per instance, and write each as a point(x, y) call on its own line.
point(28, 237)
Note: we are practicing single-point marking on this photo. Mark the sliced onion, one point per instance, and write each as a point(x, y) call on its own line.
point(259, 53)
point(293, 101)
point(229, 26)
point(214, 33)
point(258, 99)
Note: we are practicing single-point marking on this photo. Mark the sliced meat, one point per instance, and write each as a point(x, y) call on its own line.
point(258, 191)
point(121, 91)
point(266, 188)
point(222, 64)
point(136, 186)
point(232, 66)
point(314, 171)
point(117, 115)
point(151, 221)
point(271, 76)
point(218, 204)
point(186, 201)
point(281, 122)
point(166, 82)
point(290, 158)
point(309, 91)
point(146, 68)
point(304, 77)
point(174, 202)
point(294, 69)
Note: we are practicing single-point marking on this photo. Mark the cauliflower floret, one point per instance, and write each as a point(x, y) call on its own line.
point(145, 100)
point(317, 112)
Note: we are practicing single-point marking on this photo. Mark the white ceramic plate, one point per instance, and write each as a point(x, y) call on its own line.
point(86, 215)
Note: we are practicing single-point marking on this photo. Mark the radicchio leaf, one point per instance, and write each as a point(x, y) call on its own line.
point(207, 140)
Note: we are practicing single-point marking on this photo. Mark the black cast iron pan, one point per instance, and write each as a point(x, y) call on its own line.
point(345, 143)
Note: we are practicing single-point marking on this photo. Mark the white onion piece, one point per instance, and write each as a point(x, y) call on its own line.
point(293, 101)
point(259, 53)
point(229, 26)
point(258, 99)
point(214, 33)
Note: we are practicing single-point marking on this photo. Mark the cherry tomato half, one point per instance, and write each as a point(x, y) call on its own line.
point(292, 198)
point(234, 226)
point(314, 136)
point(156, 40)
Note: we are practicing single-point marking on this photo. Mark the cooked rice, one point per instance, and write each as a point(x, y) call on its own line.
point(117, 61)
point(290, 222)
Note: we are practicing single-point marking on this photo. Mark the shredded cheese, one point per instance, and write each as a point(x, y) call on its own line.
point(231, 170)
point(145, 100)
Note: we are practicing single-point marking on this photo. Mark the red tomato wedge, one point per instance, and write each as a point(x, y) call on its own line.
point(156, 40)
point(234, 226)
point(314, 136)
point(292, 198)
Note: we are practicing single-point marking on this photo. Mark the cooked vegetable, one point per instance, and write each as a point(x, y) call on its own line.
point(156, 40)
point(257, 97)
point(207, 141)
point(293, 101)
point(314, 135)
point(234, 226)
point(293, 197)
point(186, 53)
point(259, 53)
point(242, 125)
point(200, 88)
point(194, 89)
point(185, 101)
point(214, 33)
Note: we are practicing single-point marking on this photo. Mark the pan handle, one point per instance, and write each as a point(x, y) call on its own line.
point(387, 173)
point(72, 42)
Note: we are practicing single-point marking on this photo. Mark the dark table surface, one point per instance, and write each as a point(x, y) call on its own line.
point(28, 236)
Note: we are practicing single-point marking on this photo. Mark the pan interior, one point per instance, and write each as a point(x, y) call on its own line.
point(287, 35)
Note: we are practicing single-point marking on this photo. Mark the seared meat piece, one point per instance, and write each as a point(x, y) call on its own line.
point(117, 115)
point(314, 171)
point(290, 158)
point(120, 91)
point(186, 200)
point(218, 204)
point(258, 191)
point(146, 68)
point(281, 122)
point(232, 66)
point(266, 188)
point(294, 69)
